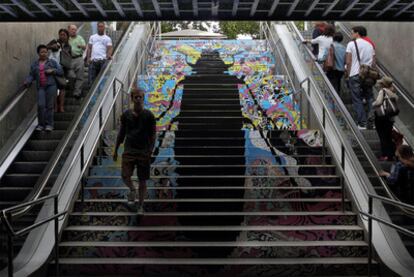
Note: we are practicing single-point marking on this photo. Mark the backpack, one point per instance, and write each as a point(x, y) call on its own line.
point(329, 63)
point(388, 107)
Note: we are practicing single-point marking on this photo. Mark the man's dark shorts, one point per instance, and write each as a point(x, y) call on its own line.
point(142, 162)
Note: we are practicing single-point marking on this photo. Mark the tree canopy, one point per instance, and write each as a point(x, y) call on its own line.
point(229, 28)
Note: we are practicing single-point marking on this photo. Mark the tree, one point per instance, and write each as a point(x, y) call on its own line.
point(233, 28)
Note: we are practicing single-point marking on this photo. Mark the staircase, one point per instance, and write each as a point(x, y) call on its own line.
point(223, 199)
point(20, 179)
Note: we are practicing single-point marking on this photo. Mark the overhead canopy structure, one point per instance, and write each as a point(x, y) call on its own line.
point(192, 34)
point(81, 10)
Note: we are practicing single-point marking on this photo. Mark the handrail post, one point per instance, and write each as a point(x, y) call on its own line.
point(341, 180)
point(10, 246)
point(370, 201)
point(56, 206)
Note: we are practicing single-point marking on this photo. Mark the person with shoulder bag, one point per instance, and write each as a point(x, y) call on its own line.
point(386, 109)
point(359, 55)
point(62, 53)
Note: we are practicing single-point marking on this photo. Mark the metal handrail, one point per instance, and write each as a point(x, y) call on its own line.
point(42, 182)
point(6, 216)
point(370, 215)
point(309, 81)
point(348, 118)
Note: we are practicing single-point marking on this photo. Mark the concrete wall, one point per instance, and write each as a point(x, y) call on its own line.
point(18, 49)
point(394, 43)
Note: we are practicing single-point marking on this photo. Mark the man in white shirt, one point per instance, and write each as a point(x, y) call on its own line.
point(99, 52)
point(358, 90)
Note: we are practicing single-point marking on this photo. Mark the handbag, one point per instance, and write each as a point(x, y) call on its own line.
point(388, 107)
point(367, 75)
point(329, 62)
point(65, 58)
point(61, 82)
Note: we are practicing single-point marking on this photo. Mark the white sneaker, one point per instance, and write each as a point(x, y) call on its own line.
point(131, 197)
point(39, 128)
point(141, 210)
point(360, 127)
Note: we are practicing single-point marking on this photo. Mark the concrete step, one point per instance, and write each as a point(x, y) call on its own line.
point(130, 218)
point(244, 267)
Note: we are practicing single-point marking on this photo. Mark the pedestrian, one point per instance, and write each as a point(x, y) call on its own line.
point(401, 177)
point(138, 131)
point(99, 52)
point(319, 28)
point(335, 75)
point(384, 124)
point(44, 71)
point(61, 51)
point(324, 42)
point(360, 52)
point(78, 46)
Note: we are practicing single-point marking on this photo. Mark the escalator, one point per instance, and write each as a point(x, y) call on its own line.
point(363, 148)
point(28, 176)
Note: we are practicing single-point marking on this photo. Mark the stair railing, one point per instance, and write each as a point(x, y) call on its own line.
point(372, 217)
point(11, 233)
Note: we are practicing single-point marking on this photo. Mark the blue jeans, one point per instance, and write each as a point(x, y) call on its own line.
point(45, 101)
point(94, 69)
point(358, 93)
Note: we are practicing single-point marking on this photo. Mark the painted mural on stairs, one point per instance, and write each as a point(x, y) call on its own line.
point(265, 97)
point(273, 140)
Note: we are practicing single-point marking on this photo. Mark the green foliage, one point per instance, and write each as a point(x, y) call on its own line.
point(233, 28)
point(166, 27)
point(229, 28)
point(300, 25)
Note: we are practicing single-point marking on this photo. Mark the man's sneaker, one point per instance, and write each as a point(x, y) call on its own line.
point(131, 197)
point(362, 127)
point(140, 210)
point(39, 128)
point(49, 128)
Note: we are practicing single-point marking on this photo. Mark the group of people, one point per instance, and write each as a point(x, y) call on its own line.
point(61, 63)
point(356, 62)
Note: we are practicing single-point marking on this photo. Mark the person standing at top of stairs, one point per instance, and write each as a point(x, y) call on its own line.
point(138, 127)
point(99, 52)
point(78, 45)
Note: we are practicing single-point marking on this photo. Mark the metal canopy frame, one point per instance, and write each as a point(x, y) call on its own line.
point(84, 10)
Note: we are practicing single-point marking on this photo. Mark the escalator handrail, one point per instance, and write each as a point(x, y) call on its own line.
point(364, 178)
point(372, 159)
point(42, 182)
point(22, 91)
